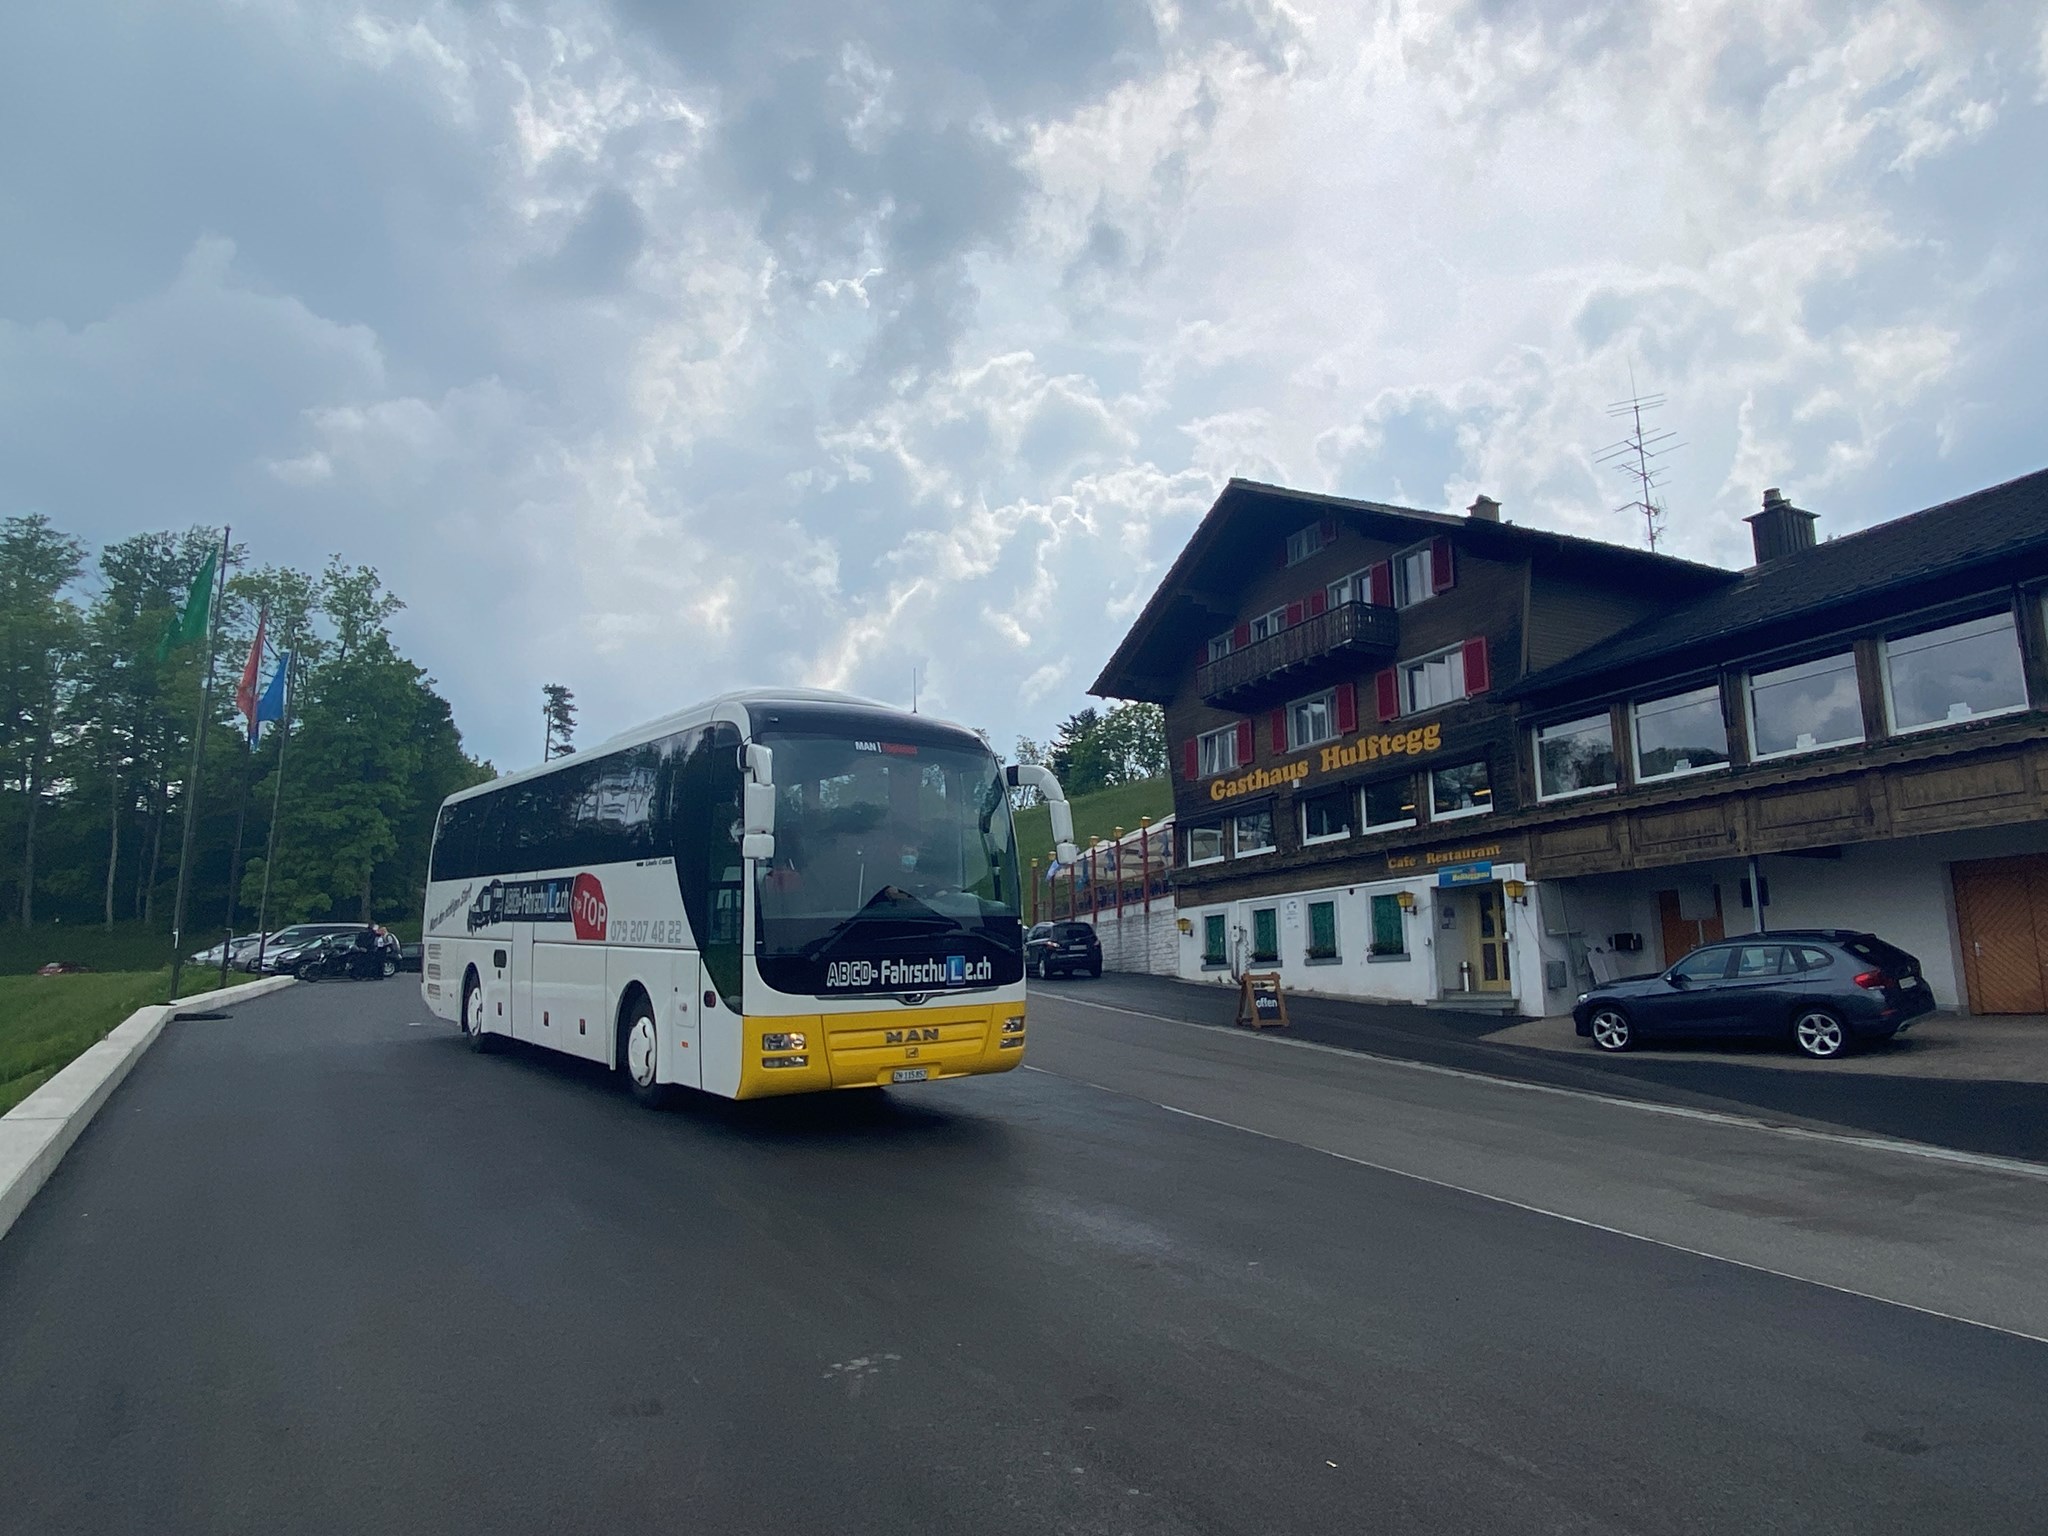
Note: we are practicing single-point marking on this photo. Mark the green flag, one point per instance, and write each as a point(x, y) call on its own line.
point(189, 624)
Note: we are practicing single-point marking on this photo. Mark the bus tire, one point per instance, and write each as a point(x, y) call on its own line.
point(480, 1040)
point(639, 1052)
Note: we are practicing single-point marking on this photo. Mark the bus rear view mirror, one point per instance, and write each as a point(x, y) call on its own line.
point(759, 808)
point(758, 845)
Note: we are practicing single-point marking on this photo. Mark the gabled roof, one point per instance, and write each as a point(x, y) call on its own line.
point(1996, 535)
point(1200, 592)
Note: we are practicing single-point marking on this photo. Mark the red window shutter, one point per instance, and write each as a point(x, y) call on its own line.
point(1318, 601)
point(1244, 742)
point(1294, 614)
point(1388, 683)
point(1347, 708)
point(1240, 637)
point(1279, 732)
point(1326, 530)
point(1441, 574)
point(1477, 677)
point(1381, 584)
point(1191, 758)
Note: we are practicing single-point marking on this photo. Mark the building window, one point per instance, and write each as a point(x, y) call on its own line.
point(1461, 791)
point(1215, 941)
point(1218, 751)
point(1433, 680)
point(1255, 833)
point(1304, 542)
point(1355, 588)
point(1219, 647)
point(1957, 673)
point(1805, 708)
point(1265, 934)
point(1205, 845)
point(1680, 734)
point(1267, 625)
point(1322, 930)
point(1412, 581)
point(1327, 817)
point(1389, 804)
point(1312, 721)
point(1389, 937)
point(1575, 758)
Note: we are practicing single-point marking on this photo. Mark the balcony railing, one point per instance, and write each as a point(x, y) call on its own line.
point(1299, 653)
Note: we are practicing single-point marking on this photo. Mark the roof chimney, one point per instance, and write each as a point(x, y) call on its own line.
point(1781, 529)
point(1486, 509)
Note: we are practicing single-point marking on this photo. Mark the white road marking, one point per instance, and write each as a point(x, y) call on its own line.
point(1601, 1226)
point(1920, 1149)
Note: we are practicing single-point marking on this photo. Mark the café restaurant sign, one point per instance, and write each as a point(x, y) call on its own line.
point(1366, 748)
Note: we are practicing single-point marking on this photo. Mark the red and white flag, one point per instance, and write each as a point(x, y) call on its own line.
point(245, 691)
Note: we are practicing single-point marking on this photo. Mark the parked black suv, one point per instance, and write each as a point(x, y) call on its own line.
point(1821, 988)
point(1053, 948)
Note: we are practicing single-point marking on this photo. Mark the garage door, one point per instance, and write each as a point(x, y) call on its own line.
point(2002, 915)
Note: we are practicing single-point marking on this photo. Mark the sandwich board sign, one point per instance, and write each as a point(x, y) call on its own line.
point(1260, 1002)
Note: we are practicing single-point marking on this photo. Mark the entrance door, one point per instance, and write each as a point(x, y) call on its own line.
point(1683, 935)
point(2002, 915)
point(1486, 939)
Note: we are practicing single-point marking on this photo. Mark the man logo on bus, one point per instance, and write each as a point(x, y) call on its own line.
point(587, 908)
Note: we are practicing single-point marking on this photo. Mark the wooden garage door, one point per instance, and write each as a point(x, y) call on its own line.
point(2002, 915)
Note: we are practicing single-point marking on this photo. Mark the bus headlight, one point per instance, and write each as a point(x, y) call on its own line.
point(792, 1042)
point(785, 1061)
point(1014, 1024)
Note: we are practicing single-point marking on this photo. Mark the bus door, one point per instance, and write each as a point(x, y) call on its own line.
point(686, 1009)
point(525, 1018)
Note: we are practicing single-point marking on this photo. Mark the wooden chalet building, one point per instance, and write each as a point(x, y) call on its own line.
point(1446, 759)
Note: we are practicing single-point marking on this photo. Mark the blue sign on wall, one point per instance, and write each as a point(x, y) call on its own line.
point(1466, 874)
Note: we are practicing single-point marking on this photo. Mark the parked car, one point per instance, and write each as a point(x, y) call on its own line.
point(1823, 989)
point(409, 956)
point(338, 955)
point(238, 950)
point(1052, 949)
point(295, 937)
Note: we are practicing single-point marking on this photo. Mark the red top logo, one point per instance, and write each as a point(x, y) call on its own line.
point(587, 908)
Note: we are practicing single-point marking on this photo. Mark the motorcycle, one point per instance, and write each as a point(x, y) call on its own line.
point(337, 956)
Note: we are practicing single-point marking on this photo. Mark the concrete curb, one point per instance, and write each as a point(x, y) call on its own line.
point(37, 1132)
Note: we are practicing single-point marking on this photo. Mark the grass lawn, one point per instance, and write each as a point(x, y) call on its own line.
point(47, 1020)
point(1097, 815)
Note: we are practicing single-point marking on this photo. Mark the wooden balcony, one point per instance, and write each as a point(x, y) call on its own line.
point(1299, 655)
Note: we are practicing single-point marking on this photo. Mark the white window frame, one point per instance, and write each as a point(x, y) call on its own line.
point(1470, 810)
point(1204, 758)
point(1884, 667)
point(1403, 595)
point(1237, 848)
point(1635, 733)
point(1367, 825)
point(1749, 680)
point(1358, 585)
point(1351, 806)
point(1407, 687)
point(1328, 699)
point(1304, 543)
point(1274, 620)
point(1543, 792)
point(1219, 647)
point(1221, 845)
point(1308, 931)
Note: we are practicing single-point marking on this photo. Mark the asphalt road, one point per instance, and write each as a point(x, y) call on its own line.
point(316, 1268)
point(2003, 1119)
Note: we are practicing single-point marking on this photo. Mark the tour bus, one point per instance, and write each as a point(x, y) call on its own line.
point(771, 893)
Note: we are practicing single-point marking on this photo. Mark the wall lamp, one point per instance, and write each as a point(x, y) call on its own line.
point(1516, 891)
point(1405, 900)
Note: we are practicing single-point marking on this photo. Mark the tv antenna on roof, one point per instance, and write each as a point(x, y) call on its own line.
point(1636, 456)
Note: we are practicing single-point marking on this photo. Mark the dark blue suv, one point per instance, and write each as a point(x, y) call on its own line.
point(1053, 948)
point(1821, 988)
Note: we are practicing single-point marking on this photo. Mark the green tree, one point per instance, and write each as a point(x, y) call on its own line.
point(558, 717)
point(40, 641)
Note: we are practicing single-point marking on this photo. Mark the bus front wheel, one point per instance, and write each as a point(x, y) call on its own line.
point(639, 1056)
point(480, 1040)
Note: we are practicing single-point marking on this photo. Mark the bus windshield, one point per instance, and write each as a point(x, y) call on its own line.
point(887, 848)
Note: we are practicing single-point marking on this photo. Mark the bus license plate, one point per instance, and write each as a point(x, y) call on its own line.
point(910, 1075)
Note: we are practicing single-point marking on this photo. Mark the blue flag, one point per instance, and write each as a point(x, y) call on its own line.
point(271, 705)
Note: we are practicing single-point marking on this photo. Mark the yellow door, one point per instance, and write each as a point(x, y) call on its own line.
point(1487, 941)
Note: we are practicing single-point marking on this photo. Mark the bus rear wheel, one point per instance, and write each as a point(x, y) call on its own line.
point(639, 1056)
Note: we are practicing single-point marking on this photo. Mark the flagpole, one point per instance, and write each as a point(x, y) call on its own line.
point(284, 738)
point(227, 943)
point(192, 779)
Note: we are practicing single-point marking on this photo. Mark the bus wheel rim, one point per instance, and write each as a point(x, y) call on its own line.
point(473, 1015)
point(640, 1051)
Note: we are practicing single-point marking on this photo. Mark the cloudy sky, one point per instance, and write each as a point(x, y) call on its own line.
point(651, 346)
